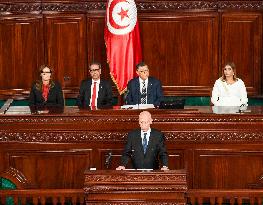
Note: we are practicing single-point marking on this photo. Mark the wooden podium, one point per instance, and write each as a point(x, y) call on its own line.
point(135, 187)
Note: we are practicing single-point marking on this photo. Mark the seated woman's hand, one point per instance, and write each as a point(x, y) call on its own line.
point(164, 168)
point(120, 168)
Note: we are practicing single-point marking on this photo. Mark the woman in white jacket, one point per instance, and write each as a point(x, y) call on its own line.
point(229, 90)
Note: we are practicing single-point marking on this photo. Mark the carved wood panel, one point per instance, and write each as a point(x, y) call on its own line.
point(231, 168)
point(21, 51)
point(52, 168)
point(135, 187)
point(242, 44)
point(96, 44)
point(181, 50)
point(66, 47)
point(176, 158)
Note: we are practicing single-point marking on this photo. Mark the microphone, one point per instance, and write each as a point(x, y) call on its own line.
point(108, 160)
point(132, 153)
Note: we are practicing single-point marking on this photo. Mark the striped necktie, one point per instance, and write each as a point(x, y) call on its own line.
point(143, 94)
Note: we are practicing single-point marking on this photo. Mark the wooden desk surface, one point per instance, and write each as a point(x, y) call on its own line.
point(74, 110)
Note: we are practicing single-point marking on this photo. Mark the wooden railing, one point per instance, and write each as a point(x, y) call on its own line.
point(224, 196)
point(42, 196)
point(76, 196)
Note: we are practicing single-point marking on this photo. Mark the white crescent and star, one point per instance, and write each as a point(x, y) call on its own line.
point(121, 16)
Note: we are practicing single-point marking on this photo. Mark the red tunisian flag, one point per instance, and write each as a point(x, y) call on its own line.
point(122, 40)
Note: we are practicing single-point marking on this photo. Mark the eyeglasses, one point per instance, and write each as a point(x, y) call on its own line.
point(143, 71)
point(46, 72)
point(93, 70)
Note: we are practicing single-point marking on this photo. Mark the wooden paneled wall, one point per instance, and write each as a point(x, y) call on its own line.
point(185, 43)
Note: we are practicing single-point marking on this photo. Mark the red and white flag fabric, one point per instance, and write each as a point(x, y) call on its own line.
point(122, 40)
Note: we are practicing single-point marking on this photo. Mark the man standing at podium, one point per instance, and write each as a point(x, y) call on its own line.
point(145, 146)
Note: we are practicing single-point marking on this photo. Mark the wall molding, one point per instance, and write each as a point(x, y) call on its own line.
point(89, 136)
point(42, 7)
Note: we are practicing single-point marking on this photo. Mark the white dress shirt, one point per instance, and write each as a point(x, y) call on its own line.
point(147, 136)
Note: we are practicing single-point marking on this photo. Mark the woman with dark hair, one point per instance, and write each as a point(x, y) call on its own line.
point(46, 92)
point(229, 90)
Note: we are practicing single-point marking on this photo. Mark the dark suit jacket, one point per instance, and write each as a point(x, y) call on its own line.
point(104, 95)
point(154, 92)
point(156, 150)
point(55, 96)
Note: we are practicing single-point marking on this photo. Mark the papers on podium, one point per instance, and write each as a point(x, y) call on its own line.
point(138, 106)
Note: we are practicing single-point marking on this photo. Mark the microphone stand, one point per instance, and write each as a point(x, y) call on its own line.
point(108, 159)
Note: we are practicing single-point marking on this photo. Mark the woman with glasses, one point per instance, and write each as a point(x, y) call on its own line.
point(229, 90)
point(45, 91)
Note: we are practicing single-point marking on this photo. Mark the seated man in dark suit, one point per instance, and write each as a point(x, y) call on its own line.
point(95, 92)
point(145, 146)
point(144, 89)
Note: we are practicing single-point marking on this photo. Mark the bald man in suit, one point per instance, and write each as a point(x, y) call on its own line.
point(145, 146)
point(102, 96)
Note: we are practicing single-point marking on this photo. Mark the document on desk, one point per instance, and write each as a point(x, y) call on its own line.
point(144, 170)
point(18, 110)
point(138, 106)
